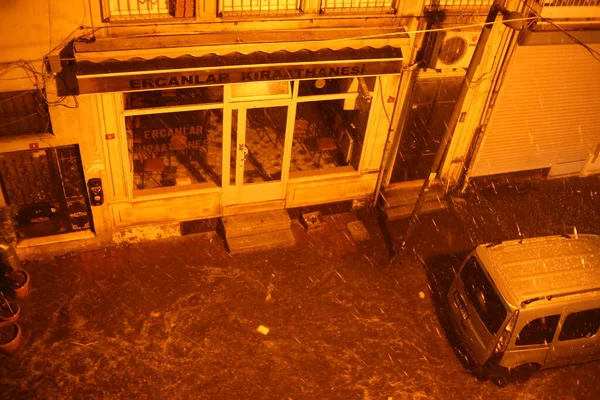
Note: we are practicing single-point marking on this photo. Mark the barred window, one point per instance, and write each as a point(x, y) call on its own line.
point(23, 112)
point(259, 7)
point(150, 9)
point(350, 6)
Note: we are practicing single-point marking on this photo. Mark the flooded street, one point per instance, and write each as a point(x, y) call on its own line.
point(180, 318)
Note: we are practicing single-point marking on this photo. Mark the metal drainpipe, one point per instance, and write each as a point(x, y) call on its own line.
point(396, 114)
point(475, 61)
point(10, 257)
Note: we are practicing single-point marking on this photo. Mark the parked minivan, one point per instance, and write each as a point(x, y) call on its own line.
point(530, 304)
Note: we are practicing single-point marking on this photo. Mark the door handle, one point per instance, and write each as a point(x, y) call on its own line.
point(244, 150)
point(589, 345)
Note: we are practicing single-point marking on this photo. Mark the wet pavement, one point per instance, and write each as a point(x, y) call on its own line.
point(178, 318)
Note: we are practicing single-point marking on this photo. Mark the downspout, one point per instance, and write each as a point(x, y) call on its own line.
point(392, 141)
point(10, 258)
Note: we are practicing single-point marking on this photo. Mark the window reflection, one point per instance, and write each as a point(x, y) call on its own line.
point(175, 149)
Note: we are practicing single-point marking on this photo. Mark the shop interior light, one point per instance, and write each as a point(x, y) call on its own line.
point(255, 90)
point(320, 83)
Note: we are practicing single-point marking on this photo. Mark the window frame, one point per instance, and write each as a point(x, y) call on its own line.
point(562, 338)
point(165, 190)
point(492, 325)
point(545, 338)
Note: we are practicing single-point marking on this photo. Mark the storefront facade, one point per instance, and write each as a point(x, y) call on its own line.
point(228, 132)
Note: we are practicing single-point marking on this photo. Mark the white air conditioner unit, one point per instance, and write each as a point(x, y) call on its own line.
point(449, 49)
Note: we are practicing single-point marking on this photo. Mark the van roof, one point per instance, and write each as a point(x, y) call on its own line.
point(531, 269)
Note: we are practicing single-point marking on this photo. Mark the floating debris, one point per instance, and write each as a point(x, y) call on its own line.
point(262, 329)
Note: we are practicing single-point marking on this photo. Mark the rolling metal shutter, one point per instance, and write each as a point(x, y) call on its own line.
point(547, 114)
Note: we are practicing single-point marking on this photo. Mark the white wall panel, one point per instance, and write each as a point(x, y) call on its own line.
point(547, 114)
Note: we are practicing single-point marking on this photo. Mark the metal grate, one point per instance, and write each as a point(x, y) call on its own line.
point(259, 7)
point(23, 112)
point(453, 5)
point(150, 9)
point(358, 6)
point(570, 3)
point(48, 188)
point(28, 177)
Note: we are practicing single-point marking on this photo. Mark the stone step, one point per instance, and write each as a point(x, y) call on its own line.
point(399, 198)
point(255, 223)
point(265, 241)
point(405, 211)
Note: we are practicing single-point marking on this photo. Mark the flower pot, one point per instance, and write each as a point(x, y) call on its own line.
point(20, 282)
point(9, 311)
point(10, 337)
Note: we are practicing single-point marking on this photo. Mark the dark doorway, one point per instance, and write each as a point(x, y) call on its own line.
point(47, 189)
point(432, 102)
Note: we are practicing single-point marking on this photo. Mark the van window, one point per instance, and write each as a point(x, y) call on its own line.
point(483, 296)
point(538, 331)
point(580, 325)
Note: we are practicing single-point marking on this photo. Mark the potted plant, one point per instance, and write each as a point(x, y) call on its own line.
point(19, 283)
point(15, 279)
point(8, 237)
point(10, 336)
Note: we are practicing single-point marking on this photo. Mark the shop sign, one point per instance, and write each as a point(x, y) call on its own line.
point(154, 81)
point(186, 137)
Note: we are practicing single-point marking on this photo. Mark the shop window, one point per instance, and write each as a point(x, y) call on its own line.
point(326, 135)
point(149, 9)
point(582, 324)
point(173, 97)
point(175, 149)
point(47, 189)
point(351, 6)
point(259, 7)
point(23, 112)
point(538, 331)
point(330, 133)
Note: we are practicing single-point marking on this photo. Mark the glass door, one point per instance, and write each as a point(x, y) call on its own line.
point(258, 165)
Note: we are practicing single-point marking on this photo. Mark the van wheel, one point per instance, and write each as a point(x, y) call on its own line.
point(524, 372)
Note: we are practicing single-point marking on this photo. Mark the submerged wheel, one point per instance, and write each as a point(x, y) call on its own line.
point(518, 374)
point(500, 381)
point(524, 372)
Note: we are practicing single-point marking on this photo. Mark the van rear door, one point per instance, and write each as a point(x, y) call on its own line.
point(486, 312)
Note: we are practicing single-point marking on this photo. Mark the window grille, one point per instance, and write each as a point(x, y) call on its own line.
point(259, 7)
point(23, 112)
point(450, 5)
point(570, 3)
point(151, 9)
point(360, 6)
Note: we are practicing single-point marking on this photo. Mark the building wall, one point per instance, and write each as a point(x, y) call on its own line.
point(36, 28)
